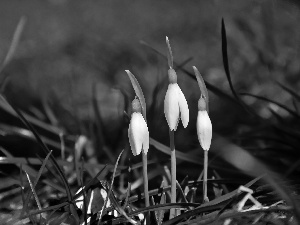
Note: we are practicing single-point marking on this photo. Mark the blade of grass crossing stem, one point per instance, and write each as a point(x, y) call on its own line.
point(35, 182)
point(180, 155)
point(138, 91)
point(46, 150)
point(109, 193)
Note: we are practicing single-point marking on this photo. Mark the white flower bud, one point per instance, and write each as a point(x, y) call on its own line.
point(138, 133)
point(204, 129)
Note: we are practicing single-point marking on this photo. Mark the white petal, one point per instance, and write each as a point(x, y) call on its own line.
point(171, 107)
point(183, 107)
point(204, 129)
point(138, 134)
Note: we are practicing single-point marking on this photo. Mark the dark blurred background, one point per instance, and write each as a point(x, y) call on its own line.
point(70, 48)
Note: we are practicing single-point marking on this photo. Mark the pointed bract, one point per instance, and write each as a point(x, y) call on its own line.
point(204, 129)
point(138, 134)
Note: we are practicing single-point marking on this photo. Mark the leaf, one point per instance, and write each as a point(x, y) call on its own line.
point(138, 91)
point(227, 71)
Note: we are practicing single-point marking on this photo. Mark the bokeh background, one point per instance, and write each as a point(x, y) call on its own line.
point(73, 52)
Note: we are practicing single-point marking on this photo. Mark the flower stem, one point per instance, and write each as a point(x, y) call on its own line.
point(145, 175)
point(173, 173)
point(205, 198)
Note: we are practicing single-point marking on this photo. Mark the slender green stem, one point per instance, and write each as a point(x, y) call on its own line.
point(146, 192)
point(145, 174)
point(205, 198)
point(173, 173)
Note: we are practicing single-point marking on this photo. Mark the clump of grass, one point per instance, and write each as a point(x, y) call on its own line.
point(99, 198)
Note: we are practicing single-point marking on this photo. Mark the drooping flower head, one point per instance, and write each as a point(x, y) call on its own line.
point(204, 126)
point(138, 133)
point(175, 103)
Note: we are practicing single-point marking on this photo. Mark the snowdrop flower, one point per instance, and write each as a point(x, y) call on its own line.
point(138, 133)
point(174, 103)
point(204, 126)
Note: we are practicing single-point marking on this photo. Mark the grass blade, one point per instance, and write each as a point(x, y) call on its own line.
point(35, 183)
point(113, 200)
point(46, 151)
point(33, 192)
point(274, 102)
point(227, 71)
